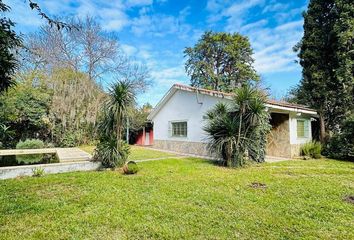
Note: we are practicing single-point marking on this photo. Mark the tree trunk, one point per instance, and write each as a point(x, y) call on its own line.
point(228, 155)
point(322, 129)
point(118, 128)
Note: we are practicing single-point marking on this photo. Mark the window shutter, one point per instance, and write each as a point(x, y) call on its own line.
point(306, 128)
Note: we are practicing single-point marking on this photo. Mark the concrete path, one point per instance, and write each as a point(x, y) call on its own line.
point(72, 155)
point(269, 159)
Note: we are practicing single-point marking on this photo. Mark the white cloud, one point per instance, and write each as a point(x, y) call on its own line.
point(160, 25)
point(274, 7)
point(273, 47)
point(138, 3)
point(22, 15)
point(113, 19)
point(253, 25)
point(128, 49)
point(234, 12)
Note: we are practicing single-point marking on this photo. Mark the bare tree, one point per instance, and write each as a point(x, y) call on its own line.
point(88, 49)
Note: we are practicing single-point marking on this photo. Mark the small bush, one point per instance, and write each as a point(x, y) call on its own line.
point(30, 144)
point(130, 168)
point(106, 152)
point(311, 149)
point(70, 139)
point(38, 172)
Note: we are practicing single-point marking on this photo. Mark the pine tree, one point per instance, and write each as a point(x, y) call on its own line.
point(326, 55)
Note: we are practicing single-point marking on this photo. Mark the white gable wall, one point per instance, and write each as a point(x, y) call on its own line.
point(183, 106)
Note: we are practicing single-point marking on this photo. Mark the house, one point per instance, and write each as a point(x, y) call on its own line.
point(145, 136)
point(178, 122)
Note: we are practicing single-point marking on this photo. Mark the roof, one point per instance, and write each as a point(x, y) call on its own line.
point(274, 104)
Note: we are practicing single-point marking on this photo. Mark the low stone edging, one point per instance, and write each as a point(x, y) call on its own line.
point(27, 170)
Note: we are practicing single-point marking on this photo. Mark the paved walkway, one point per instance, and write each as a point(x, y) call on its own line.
point(269, 159)
point(72, 155)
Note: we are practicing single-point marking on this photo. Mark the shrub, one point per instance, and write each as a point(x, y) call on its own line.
point(70, 139)
point(130, 168)
point(38, 172)
point(30, 144)
point(341, 145)
point(106, 152)
point(311, 149)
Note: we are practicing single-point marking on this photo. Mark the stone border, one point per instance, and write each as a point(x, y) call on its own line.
point(27, 170)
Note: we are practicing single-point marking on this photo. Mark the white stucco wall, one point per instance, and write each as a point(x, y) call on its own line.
point(183, 106)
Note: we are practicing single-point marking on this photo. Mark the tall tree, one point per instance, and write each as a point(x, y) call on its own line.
point(75, 100)
point(326, 54)
point(89, 49)
point(220, 61)
point(10, 42)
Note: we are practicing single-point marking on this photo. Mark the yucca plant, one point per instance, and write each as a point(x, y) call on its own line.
point(238, 131)
point(112, 150)
point(110, 155)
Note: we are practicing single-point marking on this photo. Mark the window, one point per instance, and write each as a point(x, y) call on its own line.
point(302, 127)
point(179, 129)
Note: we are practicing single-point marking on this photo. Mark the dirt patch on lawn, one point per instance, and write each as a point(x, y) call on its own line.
point(349, 199)
point(258, 185)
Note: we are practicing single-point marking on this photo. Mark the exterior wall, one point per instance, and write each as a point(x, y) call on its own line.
point(295, 150)
point(278, 140)
point(191, 107)
point(197, 148)
point(184, 106)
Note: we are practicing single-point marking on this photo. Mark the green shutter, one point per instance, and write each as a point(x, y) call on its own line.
point(302, 128)
point(306, 128)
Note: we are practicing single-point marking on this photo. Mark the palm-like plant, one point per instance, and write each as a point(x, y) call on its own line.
point(239, 131)
point(121, 97)
point(112, 150)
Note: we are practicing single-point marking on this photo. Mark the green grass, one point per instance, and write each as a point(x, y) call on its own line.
point(184, 199)
point(136, 152)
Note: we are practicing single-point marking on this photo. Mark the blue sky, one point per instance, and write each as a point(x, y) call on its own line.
point(156, 32)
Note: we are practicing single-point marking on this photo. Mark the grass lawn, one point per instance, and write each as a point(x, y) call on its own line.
point(184, 199)
point(136, 152)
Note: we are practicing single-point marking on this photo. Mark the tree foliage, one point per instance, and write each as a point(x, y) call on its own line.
point(341, 145)
point(326, 54)
point(74, 106)
point(26, 108)
point(239, 131)
point(220, 61)
point(9, 42)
